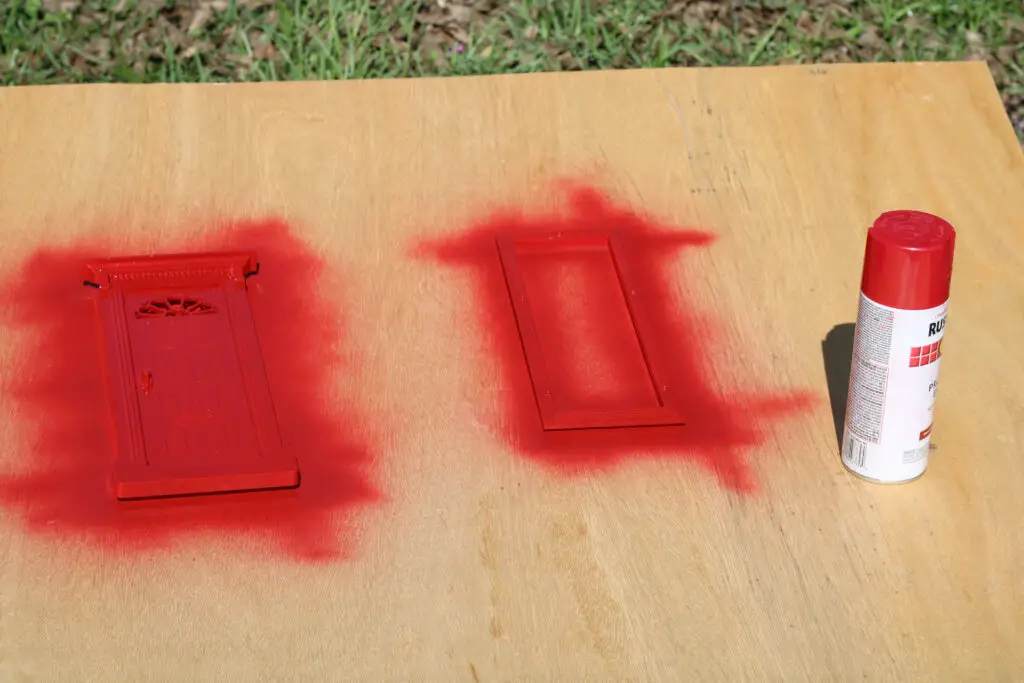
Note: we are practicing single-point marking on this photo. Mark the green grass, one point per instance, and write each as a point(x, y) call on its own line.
point(50, 41)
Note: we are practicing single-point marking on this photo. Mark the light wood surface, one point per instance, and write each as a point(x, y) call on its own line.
point(480, 565)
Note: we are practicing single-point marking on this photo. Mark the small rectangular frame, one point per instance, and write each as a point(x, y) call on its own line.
point(654, 354)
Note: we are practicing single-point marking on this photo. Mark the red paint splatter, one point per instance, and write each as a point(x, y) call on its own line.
point(60, 390)
point(718, 429)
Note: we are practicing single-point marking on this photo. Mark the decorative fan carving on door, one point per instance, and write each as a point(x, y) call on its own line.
point(172, 307)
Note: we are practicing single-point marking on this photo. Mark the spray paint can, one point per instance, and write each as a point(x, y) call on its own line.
point(901, 319)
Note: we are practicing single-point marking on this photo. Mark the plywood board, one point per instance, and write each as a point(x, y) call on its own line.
point(437, 533)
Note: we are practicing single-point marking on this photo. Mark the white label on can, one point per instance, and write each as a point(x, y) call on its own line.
point(894, 376)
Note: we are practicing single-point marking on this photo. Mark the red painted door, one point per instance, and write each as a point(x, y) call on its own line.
point(191, 393)
point(192, 408)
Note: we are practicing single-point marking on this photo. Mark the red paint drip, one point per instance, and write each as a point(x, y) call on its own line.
point(719, 428)
point(60, 390)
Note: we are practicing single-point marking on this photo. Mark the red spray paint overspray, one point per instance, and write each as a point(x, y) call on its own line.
point(718, 427)
point(60, 391)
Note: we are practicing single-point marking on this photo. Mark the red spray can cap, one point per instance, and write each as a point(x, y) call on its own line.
point(908, 261)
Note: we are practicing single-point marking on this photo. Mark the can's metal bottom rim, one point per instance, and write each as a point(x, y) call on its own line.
point(882, 481)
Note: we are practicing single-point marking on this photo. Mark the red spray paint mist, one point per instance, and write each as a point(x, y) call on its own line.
point(894, 374)
point(591, 353)
point(58, 384)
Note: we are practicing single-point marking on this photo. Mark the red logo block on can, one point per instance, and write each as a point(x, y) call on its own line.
point(923, 355)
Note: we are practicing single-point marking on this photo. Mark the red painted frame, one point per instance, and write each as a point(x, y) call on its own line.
point(654, 354)
point(155, 457)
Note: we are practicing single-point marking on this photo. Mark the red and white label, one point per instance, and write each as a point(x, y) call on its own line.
point(893, 382)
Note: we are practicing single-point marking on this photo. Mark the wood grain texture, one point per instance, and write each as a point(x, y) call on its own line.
point(482, 566)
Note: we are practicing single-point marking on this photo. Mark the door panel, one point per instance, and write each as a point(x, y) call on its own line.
point(191, 405)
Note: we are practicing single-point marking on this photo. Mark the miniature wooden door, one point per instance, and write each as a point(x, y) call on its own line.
point(192, 407)
point(190, 388)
